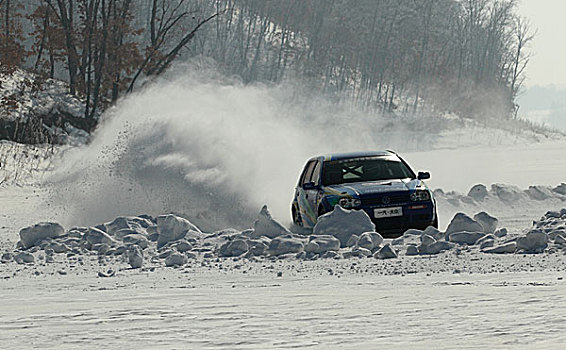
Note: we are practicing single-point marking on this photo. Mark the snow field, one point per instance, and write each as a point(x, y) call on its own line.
point(111, 285)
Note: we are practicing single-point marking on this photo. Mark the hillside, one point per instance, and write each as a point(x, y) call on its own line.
point(35, 110)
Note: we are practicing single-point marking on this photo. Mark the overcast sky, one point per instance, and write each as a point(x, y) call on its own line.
point(548, 65)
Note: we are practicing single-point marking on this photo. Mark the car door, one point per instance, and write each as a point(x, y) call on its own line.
point(303, 195)
point(313, 194)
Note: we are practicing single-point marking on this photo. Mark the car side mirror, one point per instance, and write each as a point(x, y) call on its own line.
point(309, 186)
point(423, 175)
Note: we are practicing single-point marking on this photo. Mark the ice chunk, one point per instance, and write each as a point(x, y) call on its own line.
point(485, 238)
point(507, 193)
point(560, 240)
point(435, 248)
point(236, 247)
point(502, 232)
point(478, 192)
point(136, 239)
point(488, 222)
point(539, 193)
point(322, 244)
point(553, 215)
point(507, 248)
point(488, 243)
point(360, 252)
point(24, 258)
point(95, 236)
point(469, 238)
point(258, 247)
point(6, 258)
point(285, 244)
point(560, 189)
point(434, 232)
point(183, 246)
point(120, 223)
point(386, 252)
point(535, 241)
point(31, 235)
point(57, 247)
point(370, 240)
point(342, 224)
point(412, 250)
point(398, 241)
point(413, 232)
point(266, 226)
point(135, 257)
point(463, 223)
point(427, 240)
point(176, 259)
point(172, 228)
point(352, 241)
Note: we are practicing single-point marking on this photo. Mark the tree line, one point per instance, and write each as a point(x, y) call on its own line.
point(393, 55)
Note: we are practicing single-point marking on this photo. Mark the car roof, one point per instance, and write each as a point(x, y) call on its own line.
point(342, 156)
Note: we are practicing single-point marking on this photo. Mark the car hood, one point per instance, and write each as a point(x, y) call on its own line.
point(373, 187)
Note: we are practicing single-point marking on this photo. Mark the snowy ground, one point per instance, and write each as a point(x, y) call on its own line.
point(360, 304)
point(457, 299)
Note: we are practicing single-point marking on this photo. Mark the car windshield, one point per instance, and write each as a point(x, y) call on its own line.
point(364, 169)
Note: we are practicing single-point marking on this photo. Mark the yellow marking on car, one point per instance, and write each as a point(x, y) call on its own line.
point(332, 191)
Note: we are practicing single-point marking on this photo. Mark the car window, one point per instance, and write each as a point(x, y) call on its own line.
point(364, 169)
point(316, 173)
point(307, 173)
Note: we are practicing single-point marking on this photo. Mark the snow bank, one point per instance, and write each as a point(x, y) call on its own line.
point(502, 198)
point(173, 241)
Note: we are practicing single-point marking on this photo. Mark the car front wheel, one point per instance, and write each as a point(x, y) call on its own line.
point(321, 211)
point(296, 217)
point(435, 222)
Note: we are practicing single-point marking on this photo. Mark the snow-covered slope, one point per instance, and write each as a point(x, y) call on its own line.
point(32, 106)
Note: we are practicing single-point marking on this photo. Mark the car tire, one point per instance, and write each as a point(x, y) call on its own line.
point(435, 222)
point(296, 217)
point(321, 211)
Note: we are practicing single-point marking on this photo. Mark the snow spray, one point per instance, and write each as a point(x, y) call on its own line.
point(209, 148)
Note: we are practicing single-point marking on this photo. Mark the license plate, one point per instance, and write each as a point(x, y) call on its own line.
point(379, 213)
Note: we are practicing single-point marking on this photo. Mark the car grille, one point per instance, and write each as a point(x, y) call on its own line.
point(378, 201)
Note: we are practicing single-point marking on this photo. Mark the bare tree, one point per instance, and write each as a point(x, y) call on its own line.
point(523, 36)
point(166, 18)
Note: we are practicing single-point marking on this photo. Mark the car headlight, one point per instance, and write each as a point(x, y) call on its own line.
point(420, 196)
point(348, 203)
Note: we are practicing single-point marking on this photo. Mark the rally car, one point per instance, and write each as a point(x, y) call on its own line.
point(380, 183)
